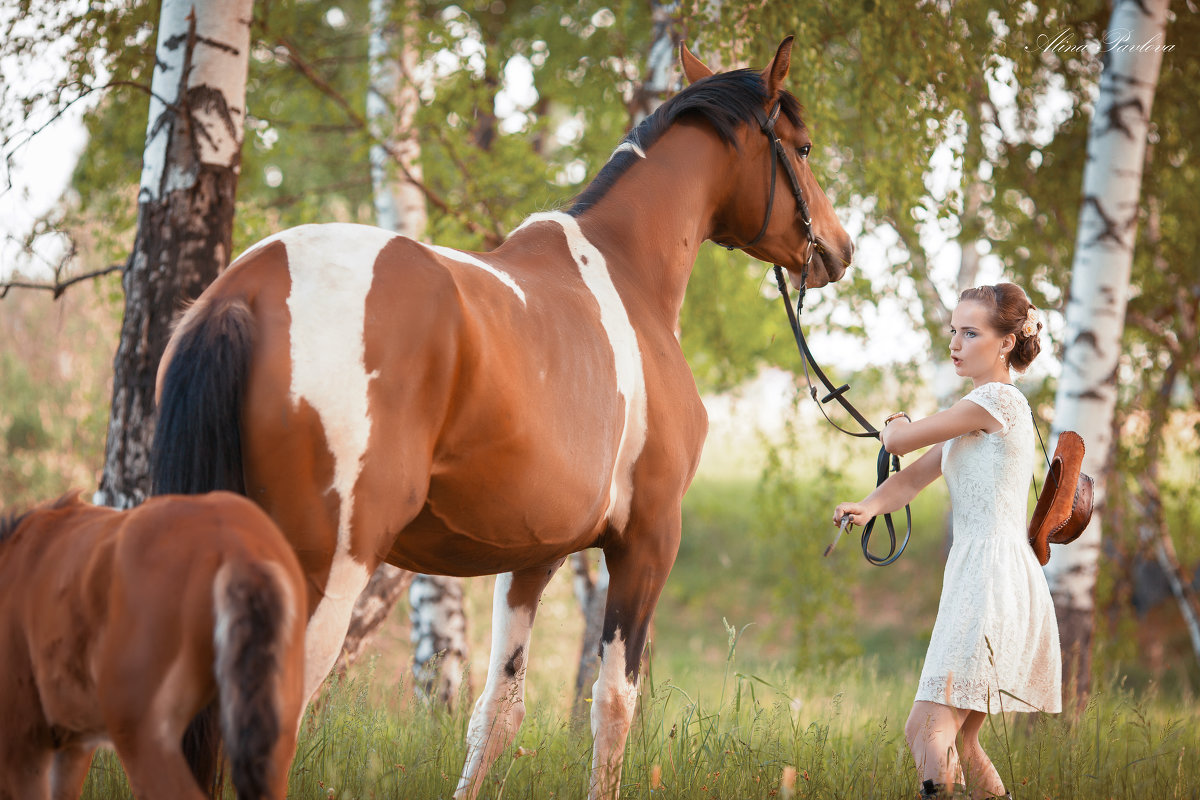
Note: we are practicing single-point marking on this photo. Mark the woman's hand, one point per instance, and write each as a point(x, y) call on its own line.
point(860, 513)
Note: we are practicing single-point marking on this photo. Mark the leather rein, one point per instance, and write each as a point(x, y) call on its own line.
point(885, 463)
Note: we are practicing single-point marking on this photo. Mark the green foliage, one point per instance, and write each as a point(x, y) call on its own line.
point(813, 595)
point(305, 157)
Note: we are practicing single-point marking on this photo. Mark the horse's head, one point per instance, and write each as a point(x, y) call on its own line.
point(763, 213)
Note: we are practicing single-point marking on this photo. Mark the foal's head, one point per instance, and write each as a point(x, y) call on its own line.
point(772, 231)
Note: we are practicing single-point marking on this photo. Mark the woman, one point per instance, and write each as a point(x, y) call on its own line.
point(995, 643)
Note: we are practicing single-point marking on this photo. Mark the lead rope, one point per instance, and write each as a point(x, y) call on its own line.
point(885, 463)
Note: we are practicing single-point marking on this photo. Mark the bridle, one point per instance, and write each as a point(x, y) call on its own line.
point(885, 463)
point(766, 123)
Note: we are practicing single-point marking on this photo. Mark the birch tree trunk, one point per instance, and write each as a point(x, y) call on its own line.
point(392, 103)
point(185, 213)
point(439, 621)
point(1095, 314)
point(592, 594)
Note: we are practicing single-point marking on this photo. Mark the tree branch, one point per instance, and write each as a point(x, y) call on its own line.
point(88, 90)
point(333, 94)
point(59, 286)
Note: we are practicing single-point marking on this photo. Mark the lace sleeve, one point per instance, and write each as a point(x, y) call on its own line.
point(997, 400)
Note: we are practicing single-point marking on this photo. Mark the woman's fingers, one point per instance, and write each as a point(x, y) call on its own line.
point(853, 509)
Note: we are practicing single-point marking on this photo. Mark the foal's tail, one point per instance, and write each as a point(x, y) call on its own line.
point(255, 615)
point(198, 448)
point(198, 439)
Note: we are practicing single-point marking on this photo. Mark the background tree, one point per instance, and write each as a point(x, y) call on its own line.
point(1095, 317)
point(185, 213)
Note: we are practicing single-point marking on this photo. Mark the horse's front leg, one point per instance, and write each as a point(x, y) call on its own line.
point(639, 561)
point(501, 708)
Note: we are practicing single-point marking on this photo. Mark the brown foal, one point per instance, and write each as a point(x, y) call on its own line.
point(117, 627)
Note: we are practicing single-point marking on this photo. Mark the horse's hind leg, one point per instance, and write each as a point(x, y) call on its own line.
point(638, 565)
point(501, 708)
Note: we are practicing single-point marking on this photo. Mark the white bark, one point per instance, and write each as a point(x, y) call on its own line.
point(216, 63)
point(189, 180)
point(392, 102)
point(1095, 314)
point(439, 635)
point(592, 595)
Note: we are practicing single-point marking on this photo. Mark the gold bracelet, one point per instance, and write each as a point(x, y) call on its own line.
point(896, 416)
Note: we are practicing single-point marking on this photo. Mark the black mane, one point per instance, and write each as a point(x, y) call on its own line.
point(726, 99)
point(9, 524)
point(11, 521)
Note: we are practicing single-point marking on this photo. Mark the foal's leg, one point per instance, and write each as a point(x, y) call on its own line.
point(25, 740)
point(501, 708)
point(24, 772)
point(69, 771)
point(638, 565)
point(147, 707)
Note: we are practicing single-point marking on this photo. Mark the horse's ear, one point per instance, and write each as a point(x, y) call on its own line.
point(693, 68)
point(777, 71)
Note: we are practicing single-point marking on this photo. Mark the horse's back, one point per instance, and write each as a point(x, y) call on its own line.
point(388, 368)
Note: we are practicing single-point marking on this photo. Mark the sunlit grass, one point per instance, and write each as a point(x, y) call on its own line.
point(834, 732)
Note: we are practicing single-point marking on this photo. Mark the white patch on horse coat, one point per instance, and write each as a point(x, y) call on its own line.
point(467, 258)
point(501, 707)
point(630, 147)
point(627, 359)
point(332, 267)
point(613, 701)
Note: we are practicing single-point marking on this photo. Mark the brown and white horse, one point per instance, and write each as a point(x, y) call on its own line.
point(477, 413)
point(119, 626)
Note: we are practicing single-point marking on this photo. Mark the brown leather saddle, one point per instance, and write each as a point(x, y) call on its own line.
point(1064, 507)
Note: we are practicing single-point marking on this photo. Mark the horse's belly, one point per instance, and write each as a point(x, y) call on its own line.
point(496, 525)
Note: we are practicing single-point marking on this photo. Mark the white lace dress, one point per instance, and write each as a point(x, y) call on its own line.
point(995, 643)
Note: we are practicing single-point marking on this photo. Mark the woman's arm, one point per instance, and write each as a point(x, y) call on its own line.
point(900, 436)
point(897, 491)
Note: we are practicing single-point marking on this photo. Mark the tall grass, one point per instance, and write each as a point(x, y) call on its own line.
point(830, 732)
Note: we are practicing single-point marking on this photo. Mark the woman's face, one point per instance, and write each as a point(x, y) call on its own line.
point(975, 347)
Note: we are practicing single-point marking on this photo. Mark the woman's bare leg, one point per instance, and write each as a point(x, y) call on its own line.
point(931, 731)
point(984, 779)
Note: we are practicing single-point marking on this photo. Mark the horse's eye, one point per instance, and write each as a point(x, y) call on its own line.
point(803, 151)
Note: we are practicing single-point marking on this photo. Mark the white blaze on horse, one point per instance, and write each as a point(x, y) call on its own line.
point(119, 627)
point(478, 413)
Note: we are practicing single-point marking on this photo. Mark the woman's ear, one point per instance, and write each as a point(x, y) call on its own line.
point(1008, 343)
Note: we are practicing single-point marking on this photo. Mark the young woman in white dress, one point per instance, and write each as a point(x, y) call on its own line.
point(995, 643)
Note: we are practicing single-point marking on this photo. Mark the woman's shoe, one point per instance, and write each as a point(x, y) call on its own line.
point(929, 789)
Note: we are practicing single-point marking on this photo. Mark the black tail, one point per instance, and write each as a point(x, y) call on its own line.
point(252, 617)
point(198, 448)
point(198, 438)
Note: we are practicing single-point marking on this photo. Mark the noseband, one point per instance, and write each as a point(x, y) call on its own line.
point(885, 463)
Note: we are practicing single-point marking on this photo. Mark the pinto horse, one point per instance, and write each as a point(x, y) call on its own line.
point(478, 413)
point(122, 625)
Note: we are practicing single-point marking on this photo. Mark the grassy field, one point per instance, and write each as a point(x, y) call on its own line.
point(838, 732)
point(724, 710)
